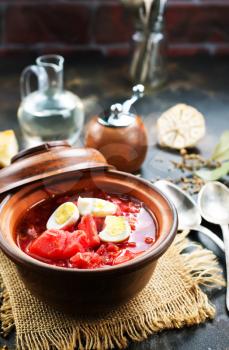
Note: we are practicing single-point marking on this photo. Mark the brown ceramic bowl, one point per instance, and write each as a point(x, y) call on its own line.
point(87, 290)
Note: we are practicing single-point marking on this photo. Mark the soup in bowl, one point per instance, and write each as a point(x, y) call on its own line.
point(86, 240)
point(89, 230)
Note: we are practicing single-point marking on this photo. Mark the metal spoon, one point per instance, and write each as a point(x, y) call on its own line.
point(188, 213)
point(213, 201)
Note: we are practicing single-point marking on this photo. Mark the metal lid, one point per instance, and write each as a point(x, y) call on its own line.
point(119, 114)
point(116, 118)
point(48, 160)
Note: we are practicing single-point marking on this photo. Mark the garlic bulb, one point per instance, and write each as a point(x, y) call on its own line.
point(181, 126)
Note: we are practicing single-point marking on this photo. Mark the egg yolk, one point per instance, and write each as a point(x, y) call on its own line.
point(64, 212)
point(116, 225)
point(99, 205)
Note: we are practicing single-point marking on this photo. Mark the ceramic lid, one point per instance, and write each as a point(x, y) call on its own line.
point(47, 160)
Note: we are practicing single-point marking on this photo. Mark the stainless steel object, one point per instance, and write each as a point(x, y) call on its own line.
point(213, 201)
point(137, 92)
point(188, 213)
point(119, 114)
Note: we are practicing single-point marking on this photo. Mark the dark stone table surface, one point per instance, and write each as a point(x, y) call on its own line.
point(201, 82)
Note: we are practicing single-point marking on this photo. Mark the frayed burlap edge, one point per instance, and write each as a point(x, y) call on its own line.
point(203, 269)
point(6, 315)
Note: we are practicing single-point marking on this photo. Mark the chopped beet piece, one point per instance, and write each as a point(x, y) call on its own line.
point(131, 244)
point(75, 242)
point(99, 223)
point(86, 260)
point(88, 225)
point(111, 247)
point(149, 240)
point(101, 250)
point(128, 255)
point(49, 244)
point(59, 244)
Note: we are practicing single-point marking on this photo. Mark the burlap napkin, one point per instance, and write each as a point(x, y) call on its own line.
point(172, 299)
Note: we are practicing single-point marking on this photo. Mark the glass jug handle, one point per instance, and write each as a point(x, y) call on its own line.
point(41, 75)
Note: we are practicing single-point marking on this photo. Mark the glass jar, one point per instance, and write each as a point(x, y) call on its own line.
point(50, 113)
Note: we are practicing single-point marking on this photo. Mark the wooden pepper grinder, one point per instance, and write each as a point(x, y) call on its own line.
point(120, 135)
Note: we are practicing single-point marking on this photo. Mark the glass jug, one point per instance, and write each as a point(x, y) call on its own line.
point(49, 113)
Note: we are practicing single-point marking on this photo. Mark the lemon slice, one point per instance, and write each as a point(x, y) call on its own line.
point(181, 126)
point(8, 147)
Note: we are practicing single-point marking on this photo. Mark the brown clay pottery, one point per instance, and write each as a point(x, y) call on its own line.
point(120, 135)
point(47, 160)
point(91, 290)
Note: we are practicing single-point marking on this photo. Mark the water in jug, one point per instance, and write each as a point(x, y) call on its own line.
point(49, 113)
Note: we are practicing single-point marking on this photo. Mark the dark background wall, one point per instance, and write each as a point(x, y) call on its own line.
point(68, 26)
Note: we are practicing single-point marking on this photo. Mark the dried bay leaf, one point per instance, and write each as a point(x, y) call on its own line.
point(215, 174)
point(221, 151)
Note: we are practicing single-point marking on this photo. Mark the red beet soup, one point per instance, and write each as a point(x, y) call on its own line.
point(85, 235)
